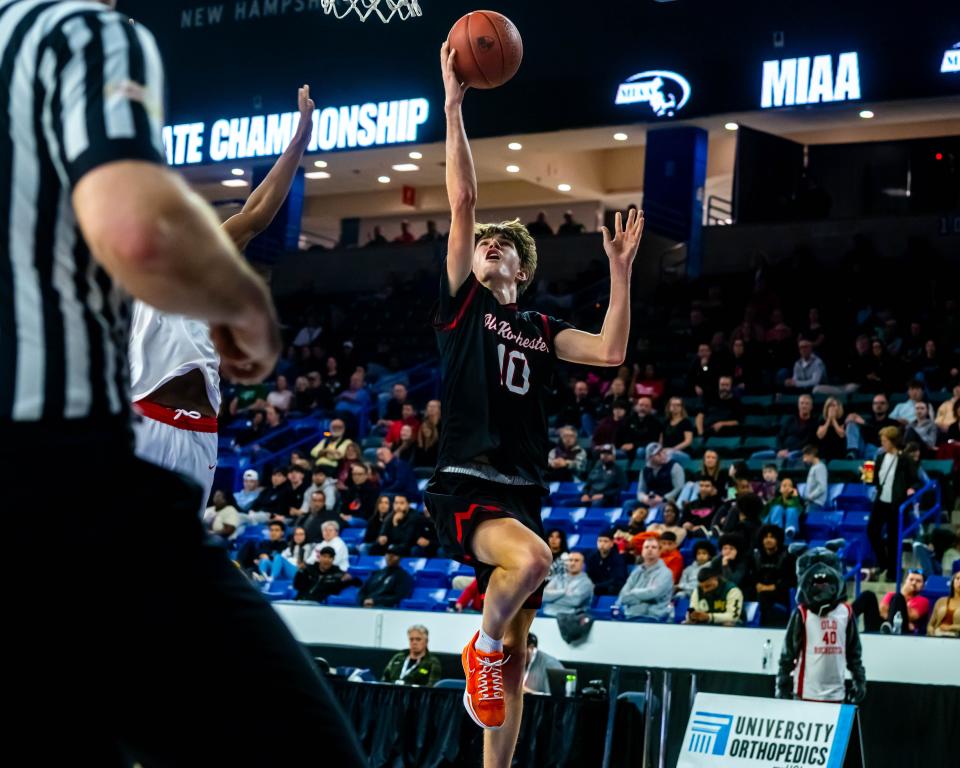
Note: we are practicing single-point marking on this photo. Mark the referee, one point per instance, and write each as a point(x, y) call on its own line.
point(129, 639)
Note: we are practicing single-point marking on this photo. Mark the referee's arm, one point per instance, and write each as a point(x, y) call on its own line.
point(149, 231)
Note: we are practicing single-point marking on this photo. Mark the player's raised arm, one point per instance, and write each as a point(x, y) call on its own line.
point(461, 177)
point(609, 347)
point(265, 201)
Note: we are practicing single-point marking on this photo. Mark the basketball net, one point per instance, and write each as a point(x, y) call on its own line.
point(385, 9)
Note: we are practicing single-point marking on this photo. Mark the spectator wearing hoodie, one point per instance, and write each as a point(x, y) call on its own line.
point(388, 586)
point(698, 513)
point(569, 592)
point(703, 552)
point(744, 517)
point(733, 562)
point(318, 580)
point(606, 567)
point(605, 482)
point(322, 481)
point(649, 588)
point(398, 531)
point(660, 480)
point(773, 574)
point(670, 555)
point(715, 600)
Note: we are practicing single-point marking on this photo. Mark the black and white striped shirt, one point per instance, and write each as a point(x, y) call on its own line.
point(80, 86)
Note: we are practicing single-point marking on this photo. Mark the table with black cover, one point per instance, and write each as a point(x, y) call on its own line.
point(402, 725)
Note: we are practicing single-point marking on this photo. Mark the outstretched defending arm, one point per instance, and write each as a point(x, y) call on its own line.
point(265, 201)
point(609, 347)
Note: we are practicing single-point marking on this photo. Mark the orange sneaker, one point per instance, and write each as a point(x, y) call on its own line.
point(483, 699)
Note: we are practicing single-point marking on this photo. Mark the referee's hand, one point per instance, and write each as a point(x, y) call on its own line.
point(248, 352)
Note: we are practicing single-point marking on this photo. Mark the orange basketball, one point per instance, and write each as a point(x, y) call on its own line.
point(489, 49)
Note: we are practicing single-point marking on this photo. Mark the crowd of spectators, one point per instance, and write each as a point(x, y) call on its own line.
point(681, 424)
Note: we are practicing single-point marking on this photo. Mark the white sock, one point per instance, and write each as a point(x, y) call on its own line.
point(487, 644)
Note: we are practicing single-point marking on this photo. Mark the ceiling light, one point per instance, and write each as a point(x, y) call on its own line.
point(516, 146)
point(237, 171)
point(235, 183)
point(513, 169)
point(564, 187)
point(866, 114)
point(317, 175)
point(321, 164)
point(406, 167)
point(416, 156)
point(384, 179)
point(620, 137)
point(731, 126)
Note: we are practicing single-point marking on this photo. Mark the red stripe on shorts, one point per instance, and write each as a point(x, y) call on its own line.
point(176, 417)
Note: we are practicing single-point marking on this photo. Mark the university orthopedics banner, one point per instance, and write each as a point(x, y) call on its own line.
point(748, 732)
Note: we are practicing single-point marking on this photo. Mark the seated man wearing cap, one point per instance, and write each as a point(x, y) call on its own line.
point(251, 490)
point(605, 481)
point(320, 579)
point(535, 679)
point(606, 567)
point(388, 586)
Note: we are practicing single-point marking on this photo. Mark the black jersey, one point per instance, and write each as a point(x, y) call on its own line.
point(497, 365)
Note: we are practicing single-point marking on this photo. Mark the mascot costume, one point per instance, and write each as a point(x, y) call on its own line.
point(822, 639)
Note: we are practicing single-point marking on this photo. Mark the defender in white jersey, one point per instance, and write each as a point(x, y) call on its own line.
point(822, 641)
point(174, 365)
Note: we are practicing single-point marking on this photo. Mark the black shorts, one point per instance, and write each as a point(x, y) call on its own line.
point(144, 630)
point(459, 503)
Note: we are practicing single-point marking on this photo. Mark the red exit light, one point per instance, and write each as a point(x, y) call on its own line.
point(938, 156)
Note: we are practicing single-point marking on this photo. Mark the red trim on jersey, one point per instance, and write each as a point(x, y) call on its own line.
point(463, 308)
point(175, 417)
point(546, 329)
point(803, 652)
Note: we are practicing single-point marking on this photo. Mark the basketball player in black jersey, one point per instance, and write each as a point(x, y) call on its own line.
point(497, 363)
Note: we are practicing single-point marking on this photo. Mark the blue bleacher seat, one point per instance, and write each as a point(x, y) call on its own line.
point(365, 565)
point(822, 525)
point(435, 574)
point(279, 590)
point(586, 543)
point(854, 523)
point(751, 614)
point(566, 491)
point(935, 587)
point(561, 518)
point(602, 605)
point(459, 569)
point(426, 600)
point(854, 496)
point(680, 607)
point(413, 565)
point(352, 537)
point(349, 596)
point(597, 519)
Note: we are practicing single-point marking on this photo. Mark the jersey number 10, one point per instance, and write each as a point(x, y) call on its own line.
point(509, 365)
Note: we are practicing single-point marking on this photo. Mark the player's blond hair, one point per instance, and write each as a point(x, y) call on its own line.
point(522, 240)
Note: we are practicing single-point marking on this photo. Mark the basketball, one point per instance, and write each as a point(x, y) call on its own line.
point(489, 49)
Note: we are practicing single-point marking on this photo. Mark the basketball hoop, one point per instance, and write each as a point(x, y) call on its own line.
point(385, 9)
